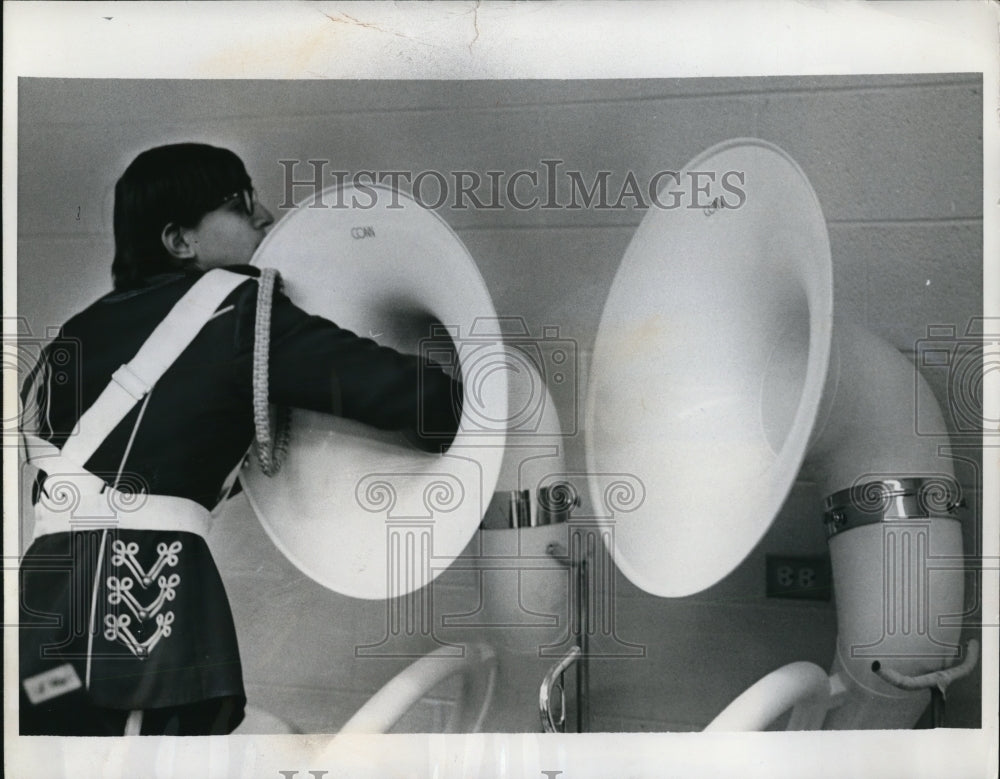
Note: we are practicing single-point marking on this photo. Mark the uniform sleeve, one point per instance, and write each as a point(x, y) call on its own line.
point(316, 365)
point(50, 394)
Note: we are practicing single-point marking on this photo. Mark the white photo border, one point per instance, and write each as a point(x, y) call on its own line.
point(238, 40)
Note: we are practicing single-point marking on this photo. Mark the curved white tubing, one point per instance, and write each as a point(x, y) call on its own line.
point(762, 703)
point(399, 694)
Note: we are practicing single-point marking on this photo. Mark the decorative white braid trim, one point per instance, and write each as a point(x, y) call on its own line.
point(120, 591)
point(116, 628)
point(125, 555)
point(270, 450)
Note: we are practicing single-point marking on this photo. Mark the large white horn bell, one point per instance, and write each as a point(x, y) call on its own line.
point(354, 508)
point(706, 293)
point(719, 372)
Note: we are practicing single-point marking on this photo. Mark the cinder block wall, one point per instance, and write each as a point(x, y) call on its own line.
point(895, 160)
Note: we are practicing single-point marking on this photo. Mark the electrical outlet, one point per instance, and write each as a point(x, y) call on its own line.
point(805, 577)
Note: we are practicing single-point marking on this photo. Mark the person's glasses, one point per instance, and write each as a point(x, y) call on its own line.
point(245, 198)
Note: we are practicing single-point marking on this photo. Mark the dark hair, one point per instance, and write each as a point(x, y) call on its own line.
point(178, 183)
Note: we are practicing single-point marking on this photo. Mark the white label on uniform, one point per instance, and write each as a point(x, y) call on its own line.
point(52, 684)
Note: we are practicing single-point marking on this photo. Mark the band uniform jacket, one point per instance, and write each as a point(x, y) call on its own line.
point(142, 616)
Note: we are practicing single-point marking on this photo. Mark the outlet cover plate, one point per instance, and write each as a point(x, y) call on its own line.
point(802, 577)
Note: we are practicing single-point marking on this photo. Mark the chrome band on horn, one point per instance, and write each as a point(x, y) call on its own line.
point(889, 500)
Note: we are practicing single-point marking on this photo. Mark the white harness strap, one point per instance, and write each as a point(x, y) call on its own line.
point(130, 383)
point(47, 457)
point(73, 498)
point(116, 510)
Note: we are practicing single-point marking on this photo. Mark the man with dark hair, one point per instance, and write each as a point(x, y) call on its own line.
point(125, 624)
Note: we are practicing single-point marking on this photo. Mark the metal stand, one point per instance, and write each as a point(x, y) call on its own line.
point(577, 654)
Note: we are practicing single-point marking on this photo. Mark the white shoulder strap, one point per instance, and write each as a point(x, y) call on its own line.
point(131, 382)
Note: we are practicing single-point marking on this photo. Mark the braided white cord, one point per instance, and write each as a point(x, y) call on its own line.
point(270, 450)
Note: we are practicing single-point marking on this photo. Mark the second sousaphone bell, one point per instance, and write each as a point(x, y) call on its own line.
point(719, 372)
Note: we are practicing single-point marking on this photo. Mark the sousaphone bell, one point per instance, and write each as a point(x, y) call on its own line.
point(357, 509)
point(721, 373)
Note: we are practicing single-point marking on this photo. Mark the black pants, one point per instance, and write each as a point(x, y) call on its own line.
point(74, 715)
